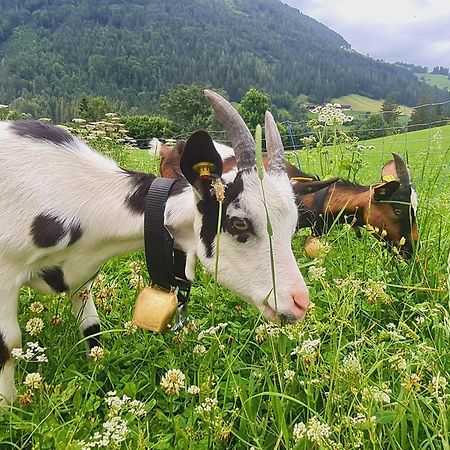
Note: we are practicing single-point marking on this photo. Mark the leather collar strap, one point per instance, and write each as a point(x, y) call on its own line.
point(165, 265)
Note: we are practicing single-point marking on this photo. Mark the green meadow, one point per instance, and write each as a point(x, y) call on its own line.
point(368, 368)
point(365, 104)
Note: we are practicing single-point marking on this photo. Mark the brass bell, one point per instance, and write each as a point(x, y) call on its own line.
point(154, 309)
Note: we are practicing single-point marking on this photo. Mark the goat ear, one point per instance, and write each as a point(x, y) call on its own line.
point(200, 149)
point(386, 190)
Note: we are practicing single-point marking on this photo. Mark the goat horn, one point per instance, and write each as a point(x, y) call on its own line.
point(274, 145)
point(401, 169)
point(241, 139)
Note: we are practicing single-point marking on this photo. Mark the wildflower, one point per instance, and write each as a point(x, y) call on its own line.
point(26, 400)
point(289, 375)
point(437, 384)
point(137, 282)
point(212, 330)
point(34, 326)
point(36, 307)
point(130, 327)
point(207, 406)
point(411, 382)
point(173, 381)
point(299, 431)
point(316, 273)
point(398, 362)
point(57, 321)
point(316, 431)
point(193, 390)
point(260, 333)
point(351, 365)
point(402, 241)
point(219, 189)
point(376, 394)
point(308, 349)
point(199, 349)
point(137, 408)
point(134, 267)
point(97, 353)
point(33, 380)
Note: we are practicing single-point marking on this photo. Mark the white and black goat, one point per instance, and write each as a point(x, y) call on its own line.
point(65, 209)
point(389, 207)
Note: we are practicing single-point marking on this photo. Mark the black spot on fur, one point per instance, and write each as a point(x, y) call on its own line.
point(90, 333)
point(54, 277)
point(41, 131)
point(4, 352)
point(140, 184)
point(209, 208)
point(47, 230)
point(75, 233)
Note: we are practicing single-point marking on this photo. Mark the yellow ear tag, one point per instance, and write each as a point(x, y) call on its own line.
point(387, 178)
point(154, 309)
point(204, 169)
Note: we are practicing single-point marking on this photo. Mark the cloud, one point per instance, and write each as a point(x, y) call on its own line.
point(414, 31)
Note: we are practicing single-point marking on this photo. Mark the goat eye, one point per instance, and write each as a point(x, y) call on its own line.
point(240, 224)
point(399, 212)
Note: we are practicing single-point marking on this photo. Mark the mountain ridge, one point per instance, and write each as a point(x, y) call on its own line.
point(133, 51)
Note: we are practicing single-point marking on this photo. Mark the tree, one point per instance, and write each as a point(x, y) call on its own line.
point(144, 127)
point(188, 108)
point(94, 108)
point(390, 112)
point(253, 106)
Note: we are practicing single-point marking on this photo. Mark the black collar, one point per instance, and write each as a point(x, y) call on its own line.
point(165, 264)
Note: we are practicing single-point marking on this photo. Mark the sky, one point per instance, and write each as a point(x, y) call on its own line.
point(411, 31)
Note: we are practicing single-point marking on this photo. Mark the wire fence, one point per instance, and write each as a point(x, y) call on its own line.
point(425, 144)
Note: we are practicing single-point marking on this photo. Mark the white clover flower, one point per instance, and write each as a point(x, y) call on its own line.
point(199, 350)
point(34, 326)
point(137, 282)
point(289, 375)
point(193, 390)
point(33, 380)
point(130, 327)
point(97, 353)
point(299, 431)
point(36, 307)
point(173, 381)
point(316, 273)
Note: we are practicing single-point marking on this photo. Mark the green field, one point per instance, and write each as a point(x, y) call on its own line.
point(365, 104)
point(440, 81)
point(368, 368)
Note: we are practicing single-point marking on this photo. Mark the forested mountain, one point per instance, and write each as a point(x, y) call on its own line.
point(132, 51)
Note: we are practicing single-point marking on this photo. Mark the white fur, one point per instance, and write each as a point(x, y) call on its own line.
point(78, 185)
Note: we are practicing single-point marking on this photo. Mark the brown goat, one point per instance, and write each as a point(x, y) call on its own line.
point(389, 207)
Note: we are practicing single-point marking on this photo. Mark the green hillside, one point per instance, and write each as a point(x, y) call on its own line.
point(366, 104)
point(134, 51)
point(440, 81)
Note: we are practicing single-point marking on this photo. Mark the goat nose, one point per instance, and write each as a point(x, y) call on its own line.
point(301, 302)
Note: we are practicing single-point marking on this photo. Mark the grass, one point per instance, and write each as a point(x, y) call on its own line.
point(433, 79)
point(366, 104)
point(367, 368)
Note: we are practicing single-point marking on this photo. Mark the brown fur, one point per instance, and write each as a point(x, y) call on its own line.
point(343, 201)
